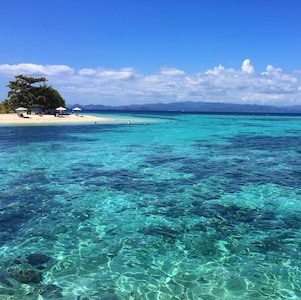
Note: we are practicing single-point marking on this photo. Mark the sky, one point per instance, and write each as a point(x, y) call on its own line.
point(119, 52)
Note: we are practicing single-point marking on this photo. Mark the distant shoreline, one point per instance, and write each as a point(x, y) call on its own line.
point(14, 119)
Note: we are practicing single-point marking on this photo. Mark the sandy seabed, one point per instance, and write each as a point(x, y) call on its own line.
point(14, 119)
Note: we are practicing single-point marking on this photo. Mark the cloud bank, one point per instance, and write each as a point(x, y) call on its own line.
point(127, 86)
point(32, 69)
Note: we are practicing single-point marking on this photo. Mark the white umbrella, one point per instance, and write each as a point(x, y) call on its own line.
point(76, 108)
point(21, 109)
point(61, 108)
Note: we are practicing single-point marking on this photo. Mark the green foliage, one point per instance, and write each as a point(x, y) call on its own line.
point(24, 92)
point(48, 98)
point(5, 107)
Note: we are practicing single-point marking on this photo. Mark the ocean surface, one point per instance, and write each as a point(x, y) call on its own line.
point(167, 207)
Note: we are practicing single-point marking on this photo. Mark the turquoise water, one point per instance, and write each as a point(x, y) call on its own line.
point(173, 206)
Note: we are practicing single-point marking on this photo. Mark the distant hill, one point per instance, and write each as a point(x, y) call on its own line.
point(190, 106)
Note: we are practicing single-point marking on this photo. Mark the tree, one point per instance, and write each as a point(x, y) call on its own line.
point(47, 98)
point(24, 92)
point(5, 107)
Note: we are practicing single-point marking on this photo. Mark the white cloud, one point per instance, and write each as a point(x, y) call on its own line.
point(171, 71)
point(271, 71)
point(126, 86)
point(33, 69)
point(121, 74)
point(86, 72)
point(215, 70)
point(247, 67)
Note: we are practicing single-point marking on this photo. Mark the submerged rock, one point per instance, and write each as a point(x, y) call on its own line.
point(25, 275)
point(5, 281)
point(37, 259)
point(49, 291)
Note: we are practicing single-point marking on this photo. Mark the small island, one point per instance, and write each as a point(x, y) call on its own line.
point(31, 101)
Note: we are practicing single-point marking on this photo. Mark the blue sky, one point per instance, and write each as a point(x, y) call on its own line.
point(117, 52)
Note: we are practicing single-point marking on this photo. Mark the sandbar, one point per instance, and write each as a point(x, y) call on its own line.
point(33, 119)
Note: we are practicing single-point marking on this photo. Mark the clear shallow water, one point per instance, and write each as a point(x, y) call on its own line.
point(183, 207)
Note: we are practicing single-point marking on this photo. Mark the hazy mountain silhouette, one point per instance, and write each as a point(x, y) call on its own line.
point(190, 106)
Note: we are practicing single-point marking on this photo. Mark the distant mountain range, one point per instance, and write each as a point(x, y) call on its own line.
point(190, 106)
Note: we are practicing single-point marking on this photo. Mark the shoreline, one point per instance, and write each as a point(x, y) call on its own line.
point(14, 119)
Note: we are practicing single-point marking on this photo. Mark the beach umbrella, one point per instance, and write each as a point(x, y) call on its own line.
point(61, 108)
point(76, 108)
point(21, 109)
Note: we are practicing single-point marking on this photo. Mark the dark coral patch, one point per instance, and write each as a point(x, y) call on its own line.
point(49, 291)
point(37, 259)
point(25, 275)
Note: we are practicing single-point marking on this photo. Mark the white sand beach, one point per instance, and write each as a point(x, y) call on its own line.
point(14, 119)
